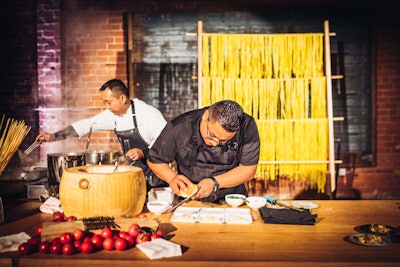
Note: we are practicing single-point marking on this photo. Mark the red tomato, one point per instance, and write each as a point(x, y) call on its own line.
point(131, 240)
point(39, 230)
point(34, 240)
point(58, 216)
point(142, 237)
point(56, 240)
point(106, 232)
point(108, 243)
point(78, 244)
point(56, 248)
point(97, 240)
point(160, 233)
point(71, 218)
point(123, 234)
point(25, 249)
point(87, 247)
point(78, 234)
point(44, 247)
point(121, 244)
point(68, 249)
point(134, 230)
point(66, 238)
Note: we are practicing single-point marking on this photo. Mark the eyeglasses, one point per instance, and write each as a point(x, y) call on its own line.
point(213, 139)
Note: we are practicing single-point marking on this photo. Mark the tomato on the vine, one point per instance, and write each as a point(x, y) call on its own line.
point(106, 232)
point(78, 234)
point(121, 244)
point(88, 247)
point(97, 240)
point(66, 238)
point(134, 230)
point(56, 248)
point(58, 216)
point(68, 249)
point(25, 248)
point(44, 247)
point(142, 237)
point(109, 243)
point(39, 230)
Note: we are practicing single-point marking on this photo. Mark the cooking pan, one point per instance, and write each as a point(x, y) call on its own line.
point(58, 162)
point(100, 157)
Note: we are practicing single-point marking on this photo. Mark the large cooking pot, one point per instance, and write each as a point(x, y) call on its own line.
point(100, 157)
point(58, 162)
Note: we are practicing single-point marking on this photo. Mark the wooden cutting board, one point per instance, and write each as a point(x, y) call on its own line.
point(51, 230)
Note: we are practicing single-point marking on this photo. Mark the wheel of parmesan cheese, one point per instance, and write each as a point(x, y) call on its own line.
point(90, 191)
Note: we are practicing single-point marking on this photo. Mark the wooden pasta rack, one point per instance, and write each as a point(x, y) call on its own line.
point(291, 88)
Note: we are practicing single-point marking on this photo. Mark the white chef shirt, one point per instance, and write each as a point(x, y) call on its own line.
point(150, 122)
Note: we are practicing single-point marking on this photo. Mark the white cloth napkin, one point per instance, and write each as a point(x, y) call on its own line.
point(51, 205)
point(11, 242)
point(160, 248)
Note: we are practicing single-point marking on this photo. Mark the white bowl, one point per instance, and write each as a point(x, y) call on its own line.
point(157, 207)
point(256, 202)
point(235, 200)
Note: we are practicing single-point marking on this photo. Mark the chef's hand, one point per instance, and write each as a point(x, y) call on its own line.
point(179, 183)
point(44, 137)
point(206, 187)
point(135, 154)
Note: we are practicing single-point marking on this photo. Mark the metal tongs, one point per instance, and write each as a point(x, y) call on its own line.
point(183, 201)
point(32, 147)
point(283, 204)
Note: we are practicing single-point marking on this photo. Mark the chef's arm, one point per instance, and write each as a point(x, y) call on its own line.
point(236, 176)
point(65, 133)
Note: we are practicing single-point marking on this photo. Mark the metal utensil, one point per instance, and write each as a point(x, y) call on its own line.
point(116, 166)
point(283, 204)
point(88, 138)
point(183, 201)
point(32, 147)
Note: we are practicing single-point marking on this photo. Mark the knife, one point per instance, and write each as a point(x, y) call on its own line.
point(183, 201)
point(283, 204)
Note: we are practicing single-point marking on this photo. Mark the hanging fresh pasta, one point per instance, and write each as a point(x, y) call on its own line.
point(279, 80)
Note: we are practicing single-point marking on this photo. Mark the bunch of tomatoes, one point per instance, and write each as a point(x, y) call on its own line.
point(80, 241)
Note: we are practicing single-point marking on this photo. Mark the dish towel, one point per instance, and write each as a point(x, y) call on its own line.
point(11, 242)
point(287, 216)
point(160, 248)
point(51, 205)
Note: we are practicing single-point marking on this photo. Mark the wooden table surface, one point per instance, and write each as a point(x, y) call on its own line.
point(256, 244)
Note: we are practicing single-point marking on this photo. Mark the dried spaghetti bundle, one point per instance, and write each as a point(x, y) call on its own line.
point(279, 80)
point(12, 133)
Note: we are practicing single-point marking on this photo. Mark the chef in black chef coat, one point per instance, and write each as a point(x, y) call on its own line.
point(216, 147)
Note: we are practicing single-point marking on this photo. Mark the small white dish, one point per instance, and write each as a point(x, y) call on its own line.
point(158, 207)
point(256, 202)
point(235, 200)
point(304, 205)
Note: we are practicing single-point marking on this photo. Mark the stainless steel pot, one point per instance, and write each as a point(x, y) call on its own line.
point(58, 162)
point(100, 157)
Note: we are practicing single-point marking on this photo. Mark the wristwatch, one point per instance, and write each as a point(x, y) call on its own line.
point(216, 184)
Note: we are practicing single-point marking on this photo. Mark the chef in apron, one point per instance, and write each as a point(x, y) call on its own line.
point(136, 124)
point(216, 147)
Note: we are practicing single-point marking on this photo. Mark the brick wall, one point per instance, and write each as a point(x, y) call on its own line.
point(90, 37)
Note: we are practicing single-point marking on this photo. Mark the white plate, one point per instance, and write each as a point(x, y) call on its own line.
point(211, 215)
point(185, 214)
point(304, 205)
point(238, 216)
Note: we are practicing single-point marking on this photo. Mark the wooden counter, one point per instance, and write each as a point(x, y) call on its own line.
point(256, 244)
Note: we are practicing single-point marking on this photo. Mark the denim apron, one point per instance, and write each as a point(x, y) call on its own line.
point(132, 139)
